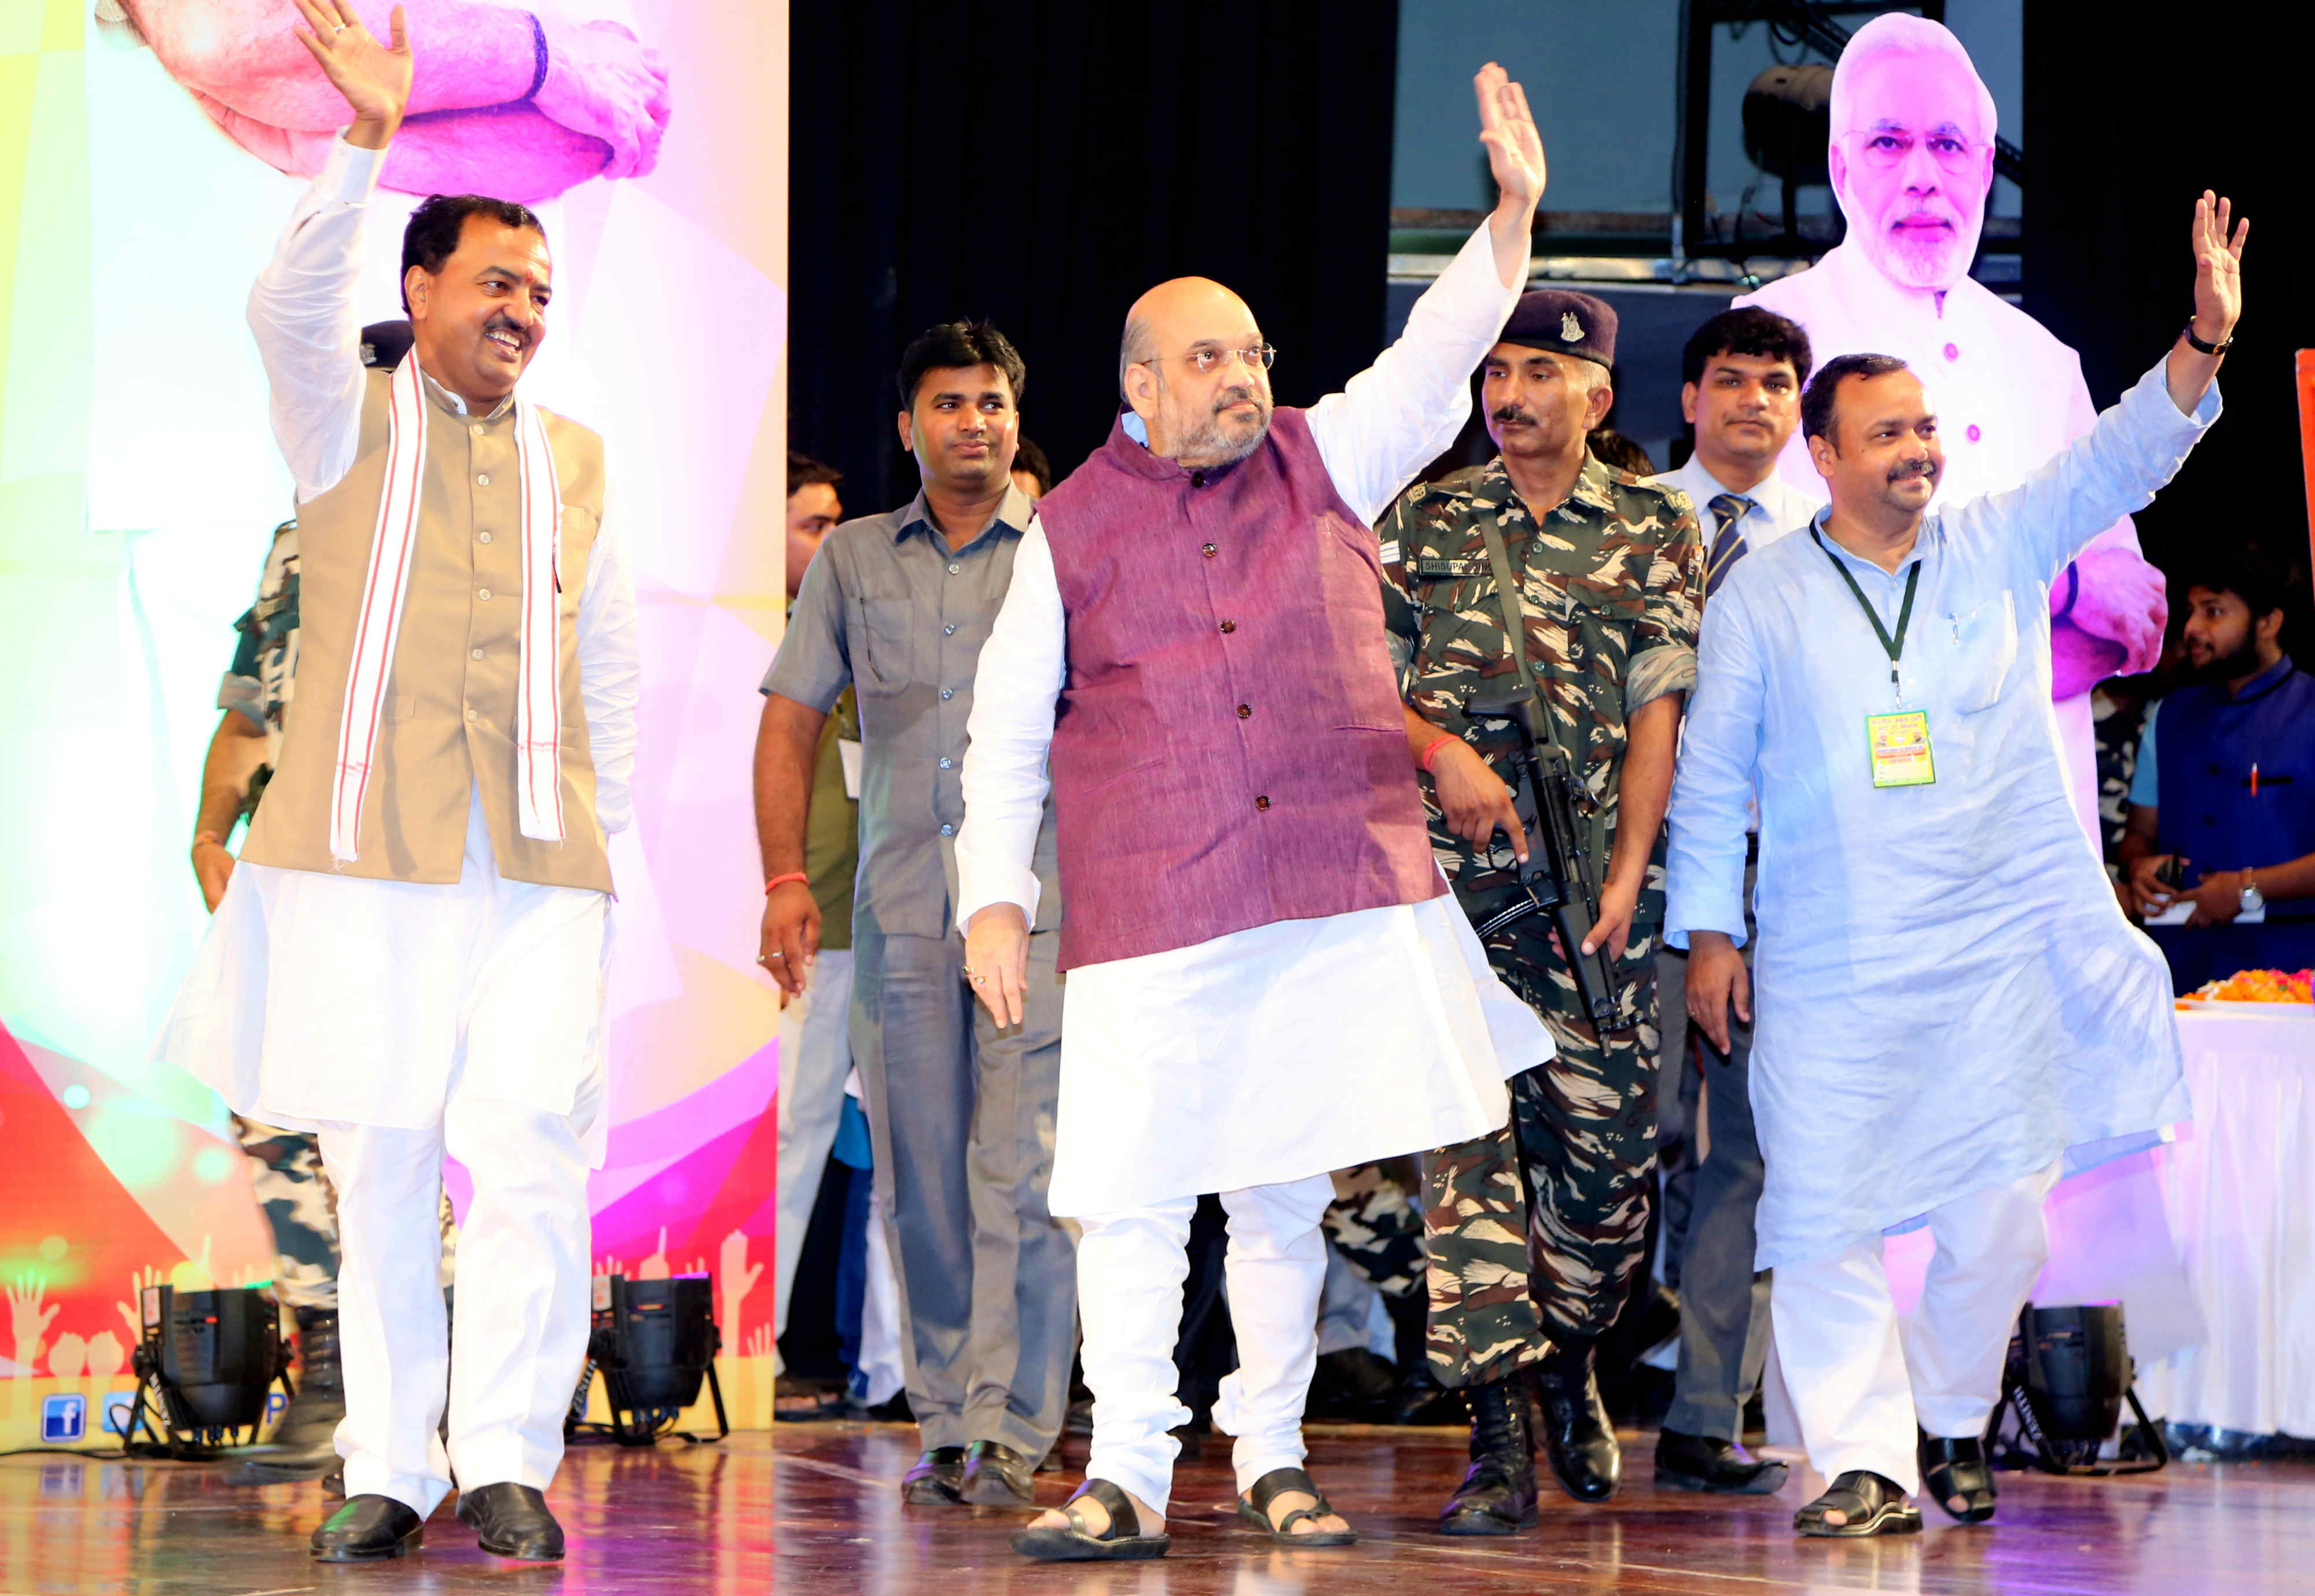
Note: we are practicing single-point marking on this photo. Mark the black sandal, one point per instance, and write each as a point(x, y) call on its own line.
point(1121, 1542)
point(1957, 1467)
point(1253, 1507)
point(1871, 1504)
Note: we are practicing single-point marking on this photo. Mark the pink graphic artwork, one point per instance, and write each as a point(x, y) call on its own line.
point(519, 103)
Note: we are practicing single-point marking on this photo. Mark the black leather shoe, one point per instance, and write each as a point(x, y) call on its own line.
point(513, 1520)
point(1421, 1399)
point(1577, 1436)
point(1954, 1470)
point(1497, 1496)
point(368, 1530)
point(996, 1475)
point(1708, 1463)
point(937, 1480)
point(1349, 1387)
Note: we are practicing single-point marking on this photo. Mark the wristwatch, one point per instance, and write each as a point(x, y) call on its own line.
point(2219, 347)
point(2251, 899)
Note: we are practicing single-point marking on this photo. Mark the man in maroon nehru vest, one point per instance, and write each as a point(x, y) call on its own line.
point(1267, 980)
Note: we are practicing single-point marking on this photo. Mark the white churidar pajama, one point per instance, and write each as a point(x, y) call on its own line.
point(1864, 1392)
point(522, 1306)
point(1375, 1032)
point(402, 1021)
point(1130, 1266)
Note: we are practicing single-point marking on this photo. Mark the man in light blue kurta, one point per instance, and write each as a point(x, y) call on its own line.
point(1949, 996)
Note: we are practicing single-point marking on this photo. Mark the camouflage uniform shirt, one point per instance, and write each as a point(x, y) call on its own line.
point(263, 677)
point(1613, 579)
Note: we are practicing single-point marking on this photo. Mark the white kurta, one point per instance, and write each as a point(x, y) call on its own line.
point(2007, 393)
point(1292, 1048)
point(1948, 995)
point(319, 996)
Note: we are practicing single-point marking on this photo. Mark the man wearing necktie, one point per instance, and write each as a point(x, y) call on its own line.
point(1743, 371)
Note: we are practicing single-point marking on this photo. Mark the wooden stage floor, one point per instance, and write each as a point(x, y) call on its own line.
point(810, 1510)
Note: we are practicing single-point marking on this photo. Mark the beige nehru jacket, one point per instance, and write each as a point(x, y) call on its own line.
point(449, 720)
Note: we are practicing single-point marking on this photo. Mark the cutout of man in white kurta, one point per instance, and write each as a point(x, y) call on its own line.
point(1912, 159)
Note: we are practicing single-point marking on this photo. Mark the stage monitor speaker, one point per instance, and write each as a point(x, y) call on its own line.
point(2068, 1376)
point(654, 1342)
point(211, 1359)
point(2077, 1369)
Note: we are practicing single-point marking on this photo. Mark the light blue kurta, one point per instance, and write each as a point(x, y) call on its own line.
point(1947, 995)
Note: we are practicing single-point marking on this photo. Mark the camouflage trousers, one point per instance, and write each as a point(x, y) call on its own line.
point(1535, 1231)
point(301, 1209)
point(1375, 1223)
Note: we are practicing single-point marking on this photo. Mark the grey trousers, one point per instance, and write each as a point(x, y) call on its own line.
point(1724, 1305)
point(960, 1117)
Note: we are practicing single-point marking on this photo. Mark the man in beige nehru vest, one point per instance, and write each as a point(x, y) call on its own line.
point(408, 958)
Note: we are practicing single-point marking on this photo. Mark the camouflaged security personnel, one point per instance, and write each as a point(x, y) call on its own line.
point(1535, 1232)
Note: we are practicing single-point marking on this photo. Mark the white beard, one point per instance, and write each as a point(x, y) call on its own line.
point(1914, 265)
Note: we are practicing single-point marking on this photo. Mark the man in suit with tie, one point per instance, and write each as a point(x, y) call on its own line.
point(1743, 371)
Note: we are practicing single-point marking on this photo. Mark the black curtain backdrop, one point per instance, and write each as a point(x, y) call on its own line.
point(2125, 125)
point(1043, 171)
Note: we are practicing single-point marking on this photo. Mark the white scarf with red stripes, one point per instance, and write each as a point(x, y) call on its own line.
point(393, 547)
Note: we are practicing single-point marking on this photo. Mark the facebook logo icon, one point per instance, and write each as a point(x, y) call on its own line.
point(63, 1419)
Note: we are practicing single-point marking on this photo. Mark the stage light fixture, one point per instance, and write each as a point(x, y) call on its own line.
point(2068, 1374)
point(205, 1363)
point(655, 1341)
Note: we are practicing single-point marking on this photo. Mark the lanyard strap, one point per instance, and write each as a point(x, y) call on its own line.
point(1893, 647)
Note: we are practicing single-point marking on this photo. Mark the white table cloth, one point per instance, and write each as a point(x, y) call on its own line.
point(2238, 1186)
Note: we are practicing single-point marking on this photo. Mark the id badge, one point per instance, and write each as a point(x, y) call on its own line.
point(1899, 745)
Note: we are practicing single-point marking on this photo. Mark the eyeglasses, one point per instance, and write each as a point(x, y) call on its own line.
point(1205, 361)
point(1886, 148)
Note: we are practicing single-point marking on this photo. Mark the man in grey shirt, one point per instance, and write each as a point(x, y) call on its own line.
point(959, 1114)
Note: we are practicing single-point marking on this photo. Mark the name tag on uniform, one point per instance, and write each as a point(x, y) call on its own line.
point(1447, 568)
point(1899, 745)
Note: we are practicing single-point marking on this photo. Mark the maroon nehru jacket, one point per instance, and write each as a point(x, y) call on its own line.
point(1229, 749)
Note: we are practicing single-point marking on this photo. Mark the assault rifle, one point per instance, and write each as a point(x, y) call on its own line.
point(1560, 876)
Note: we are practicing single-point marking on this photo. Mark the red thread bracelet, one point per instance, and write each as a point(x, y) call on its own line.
point(793, 875)
point(1434, 746)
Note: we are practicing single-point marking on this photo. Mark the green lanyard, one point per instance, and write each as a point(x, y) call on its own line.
point(1894, 646)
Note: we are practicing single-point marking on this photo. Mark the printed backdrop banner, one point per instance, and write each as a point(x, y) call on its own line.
point(150, 153)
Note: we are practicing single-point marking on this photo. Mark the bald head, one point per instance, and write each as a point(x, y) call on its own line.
point(1173, 316)
point(1199, 417)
